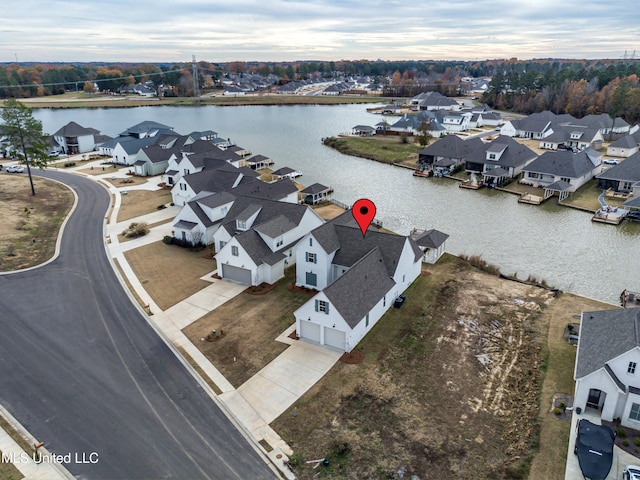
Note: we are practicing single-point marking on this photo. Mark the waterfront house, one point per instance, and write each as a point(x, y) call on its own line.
point(537, 126)
point(257, 239)
point(363, 130)
point(74, 138)
point(445, 153)
point(499, 160)
point(410, 124)
point(562, 171)
point(607, 368)
point(605, 124)
point(621, 177)
point(259, 162)
point(358, 278)
point(625, 146)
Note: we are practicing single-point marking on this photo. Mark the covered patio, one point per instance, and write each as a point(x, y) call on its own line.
point(561, 187)
point(315, 193)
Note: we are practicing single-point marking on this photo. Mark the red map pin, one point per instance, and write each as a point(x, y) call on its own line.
point(364, 211)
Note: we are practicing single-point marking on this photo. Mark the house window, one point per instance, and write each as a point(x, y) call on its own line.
point(312, 279)
point(234, 250)
point(310, 241)
point(186, 171)
point(634, 414)
point(632, 368)
point(532, 175)
point(222, 244)
point(241, 224)
point(366, 322)
point(492, 156)
point(183, 187)
point(311, 257)
point(279, 241)
point(224, 210)
point(384, 301)
point(322, 306)
point(565, 179)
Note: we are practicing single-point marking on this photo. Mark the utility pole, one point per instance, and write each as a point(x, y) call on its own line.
point(196, 91)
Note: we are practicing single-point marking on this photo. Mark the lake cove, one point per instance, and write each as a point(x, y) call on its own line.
point(556, 244)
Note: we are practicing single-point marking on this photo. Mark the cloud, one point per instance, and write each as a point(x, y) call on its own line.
point(119, 30)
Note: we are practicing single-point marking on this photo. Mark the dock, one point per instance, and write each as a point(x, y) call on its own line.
point(611, 216)
point(530, 199)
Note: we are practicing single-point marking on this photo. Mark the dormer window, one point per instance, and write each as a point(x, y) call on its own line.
point(279, 241)
point(492, 156)
point(632, 368)
point(241, 225)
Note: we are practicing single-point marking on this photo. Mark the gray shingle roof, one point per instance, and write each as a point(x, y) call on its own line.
point(72, 129)
point(212, 180)
point(627, 170)
point(559, 186)
point(356, 292)
point(430, 238)
point(604, 335)
point(269, 191)
point(514, 155)
point(145, 126)
point(275, 227)
point(315, 188)
point(628, 141)
point(269, 209)
point(449, 146)
point(185, 225)
point(562, 163)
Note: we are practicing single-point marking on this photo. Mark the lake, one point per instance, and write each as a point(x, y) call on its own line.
point(557, 244)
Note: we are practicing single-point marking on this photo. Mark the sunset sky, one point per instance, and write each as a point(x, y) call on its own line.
point(277, 30)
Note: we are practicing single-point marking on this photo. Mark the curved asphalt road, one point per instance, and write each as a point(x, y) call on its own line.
point(83, 371)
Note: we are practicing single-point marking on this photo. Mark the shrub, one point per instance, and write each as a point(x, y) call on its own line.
point(557, 411)
point(637, 441)
point(11, 250)
point(295, 460)
point(136, 229)
point(621, 432)
point(69, 164)
point(168, 239)
point(161, 207)
point(625, 442)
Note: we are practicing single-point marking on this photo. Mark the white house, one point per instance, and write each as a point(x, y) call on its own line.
point(431, 242)
point(74, 138)
point(625, 146)
point(607, 369)
point(199, 219)
point(562, 171)
point(359, 277)
point(257, 239)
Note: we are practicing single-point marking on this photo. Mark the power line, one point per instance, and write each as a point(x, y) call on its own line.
point(71, 82)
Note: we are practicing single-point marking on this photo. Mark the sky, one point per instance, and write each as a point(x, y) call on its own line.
point(287, 30)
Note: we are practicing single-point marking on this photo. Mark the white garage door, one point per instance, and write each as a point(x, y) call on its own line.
point(310, 331)
point(334, 338)
point(237, 274)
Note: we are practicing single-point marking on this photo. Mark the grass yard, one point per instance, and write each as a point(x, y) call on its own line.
point(385, 149)
point(130, 181)
point(30, 224)
point(587, 197)
point(447, 388)
point(140, 202)
point(84, 100)
point(250, 324)
point(102, 169)
point(170, 273)
point(9, 472)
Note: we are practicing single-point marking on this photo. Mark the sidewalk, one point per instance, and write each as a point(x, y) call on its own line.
point(23, 461)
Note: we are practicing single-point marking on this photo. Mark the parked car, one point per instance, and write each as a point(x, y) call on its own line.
point(611, 161)
point(594, 448)
point(399, 301)
point(15, 169)
point(631, 472)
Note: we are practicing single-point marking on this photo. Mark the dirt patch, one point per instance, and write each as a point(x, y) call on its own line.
point(129, 181)
point(352, 357)
point(30, 224)
point(447, 387)
point(169, 273)
point(329, 211)
point(140, 202)
point(240, 355)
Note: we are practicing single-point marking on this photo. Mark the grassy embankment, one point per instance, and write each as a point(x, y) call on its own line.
point(85, 100)
point(386, 149)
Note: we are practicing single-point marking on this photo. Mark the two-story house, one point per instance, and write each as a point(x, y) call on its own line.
point(607, 369)
point(500, 160)
point(74, 138)
point(359, 277)
point(257, 239)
